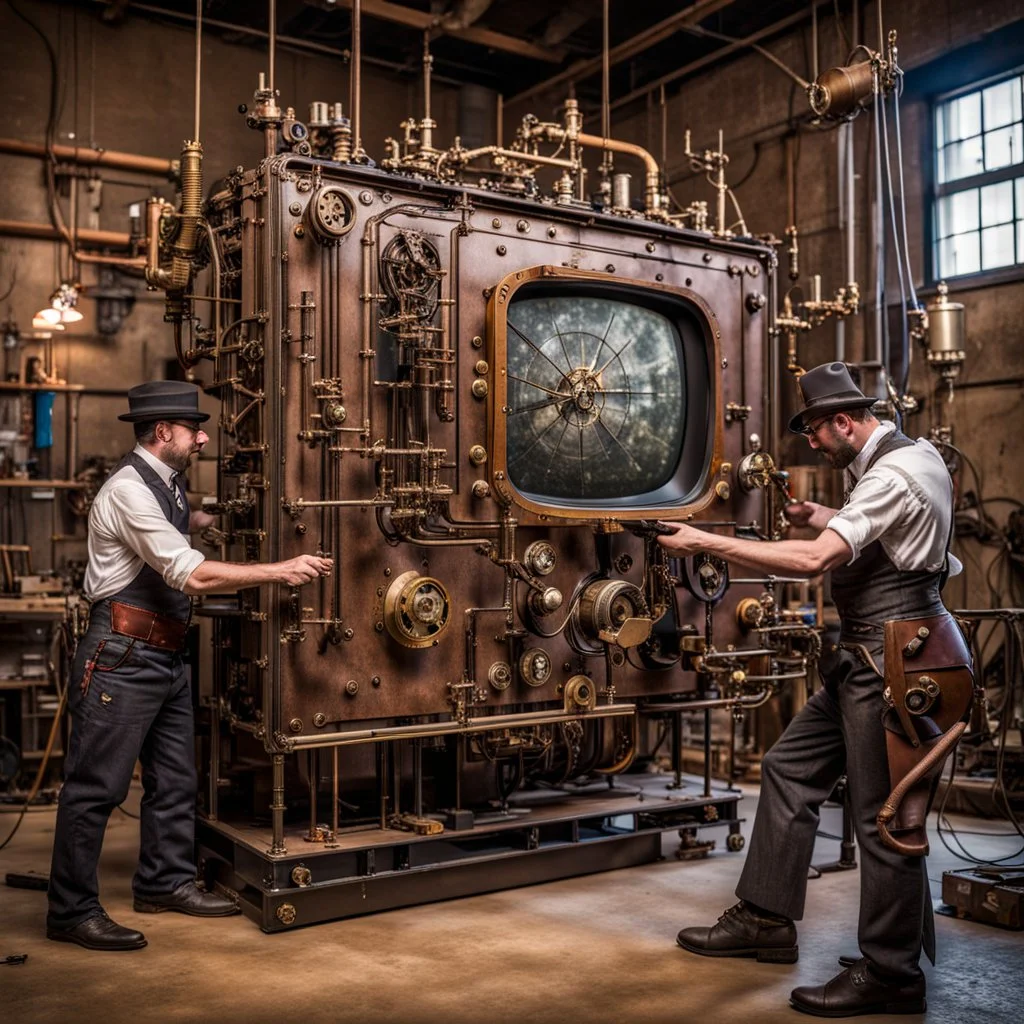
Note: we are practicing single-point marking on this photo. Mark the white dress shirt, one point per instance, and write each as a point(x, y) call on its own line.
point(905, 501)
point(128, 528)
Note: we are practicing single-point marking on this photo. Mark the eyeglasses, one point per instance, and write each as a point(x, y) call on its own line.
point(812, 428)
point(194, 427)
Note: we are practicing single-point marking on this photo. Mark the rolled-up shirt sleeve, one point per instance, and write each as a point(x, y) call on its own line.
point(139, 522)
point(878, 502)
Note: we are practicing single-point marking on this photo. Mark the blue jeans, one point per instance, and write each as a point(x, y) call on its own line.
point(129, 701)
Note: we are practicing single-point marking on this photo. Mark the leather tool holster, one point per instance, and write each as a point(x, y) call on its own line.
point(929, 690)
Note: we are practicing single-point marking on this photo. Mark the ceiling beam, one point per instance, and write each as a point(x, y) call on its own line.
point(425, 21)
point(696, 12)
point(717, 55)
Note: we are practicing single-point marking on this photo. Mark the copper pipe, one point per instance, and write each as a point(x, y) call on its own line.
point(93, 157)
point(652, 183)
point(28, 229)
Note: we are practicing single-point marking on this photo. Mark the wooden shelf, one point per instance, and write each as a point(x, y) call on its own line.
point(78, 389)
point(43, 485)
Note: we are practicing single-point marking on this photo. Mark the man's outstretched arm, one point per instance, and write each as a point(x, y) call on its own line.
point(779, 558)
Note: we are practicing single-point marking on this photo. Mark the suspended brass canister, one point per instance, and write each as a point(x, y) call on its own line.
point(947, 334)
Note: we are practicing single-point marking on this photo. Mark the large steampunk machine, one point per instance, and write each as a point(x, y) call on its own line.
point(478, 394)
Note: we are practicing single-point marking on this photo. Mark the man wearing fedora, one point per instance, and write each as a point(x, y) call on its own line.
point(887, 549)
point(129, 695)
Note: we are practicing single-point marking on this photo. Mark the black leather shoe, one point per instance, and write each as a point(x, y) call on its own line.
point(187, 899)
point(741, 931)
point(858, 991)
point(99, 932)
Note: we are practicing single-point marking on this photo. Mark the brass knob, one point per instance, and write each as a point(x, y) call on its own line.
point(479, 388)
point(478, 455)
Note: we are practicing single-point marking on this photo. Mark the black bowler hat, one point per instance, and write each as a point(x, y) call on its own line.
point(163, 400)
point(826, 389)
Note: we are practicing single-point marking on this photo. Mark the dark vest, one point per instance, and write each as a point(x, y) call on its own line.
point(148, 589)
point(871, 590)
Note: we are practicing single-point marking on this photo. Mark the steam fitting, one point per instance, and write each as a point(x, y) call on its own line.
point(191, 209)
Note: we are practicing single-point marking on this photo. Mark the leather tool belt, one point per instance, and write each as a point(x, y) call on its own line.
point(149, 627)
point(929, 690)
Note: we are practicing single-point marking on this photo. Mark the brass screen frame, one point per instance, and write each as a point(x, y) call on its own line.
point(497, 352)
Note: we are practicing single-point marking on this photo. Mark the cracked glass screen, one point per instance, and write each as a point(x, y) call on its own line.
point(595, 396)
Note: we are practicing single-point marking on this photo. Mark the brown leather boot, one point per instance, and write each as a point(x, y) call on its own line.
point(745, 931)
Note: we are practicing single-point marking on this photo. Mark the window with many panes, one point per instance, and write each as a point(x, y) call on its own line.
point(978, 218)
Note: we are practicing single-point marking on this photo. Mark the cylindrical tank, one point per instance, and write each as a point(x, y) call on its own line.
point(947, 327)
point(620, 191)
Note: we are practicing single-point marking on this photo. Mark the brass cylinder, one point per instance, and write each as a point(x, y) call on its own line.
point(947, 326)
point(839, 91)
point(191, 208)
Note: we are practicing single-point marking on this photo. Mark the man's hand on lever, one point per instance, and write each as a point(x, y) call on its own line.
point(304, 569)
point(683, 539)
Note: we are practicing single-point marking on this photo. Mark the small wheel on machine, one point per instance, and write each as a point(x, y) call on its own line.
point(735, 841)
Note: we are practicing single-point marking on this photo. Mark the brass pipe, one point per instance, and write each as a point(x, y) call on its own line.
point(277, 807)
point(488, 724)
point(652, 178)
point(355, 83)
point(93, 157)
point(191, 208)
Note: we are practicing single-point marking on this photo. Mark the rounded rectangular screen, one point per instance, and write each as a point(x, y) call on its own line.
point(608, 395)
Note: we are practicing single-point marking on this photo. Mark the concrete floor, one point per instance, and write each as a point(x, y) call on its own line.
point(595, 949)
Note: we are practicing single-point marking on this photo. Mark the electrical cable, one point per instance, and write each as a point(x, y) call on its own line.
point(999, 783)
point(890, 201)
point(58, 716)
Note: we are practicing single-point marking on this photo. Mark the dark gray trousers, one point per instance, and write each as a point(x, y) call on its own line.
point(838, 730)
point(137, 707)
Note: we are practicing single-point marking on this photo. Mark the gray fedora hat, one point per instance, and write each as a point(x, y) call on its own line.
point(826, 389)
point(163, 400)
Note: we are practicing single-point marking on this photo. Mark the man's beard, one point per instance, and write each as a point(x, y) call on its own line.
point(840, 453)
point(179, 459)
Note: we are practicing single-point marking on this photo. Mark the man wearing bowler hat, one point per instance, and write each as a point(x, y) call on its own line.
point(887, 549)
point(128, 695)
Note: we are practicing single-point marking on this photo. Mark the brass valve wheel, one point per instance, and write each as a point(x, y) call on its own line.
point(416, 609)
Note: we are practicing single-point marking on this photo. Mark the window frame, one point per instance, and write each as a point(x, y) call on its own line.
point(940, 190)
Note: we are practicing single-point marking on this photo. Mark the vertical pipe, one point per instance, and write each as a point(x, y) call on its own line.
point(707, 753)
point(606, 109)
point(334, 793)
point(814, 42)
point(272, 18)
point(382, 775)
point(355, 85)
point(417, 777)
point(664, 130)
point(277, 807)
point(313, 768)
point(606, 112)
point(199, 60)
point(427, 61)
point(677, 750)
point(499, 120)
